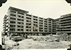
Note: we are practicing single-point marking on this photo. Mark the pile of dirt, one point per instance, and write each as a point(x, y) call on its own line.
point(65, 37)
point(45, 38)
point(41, 42)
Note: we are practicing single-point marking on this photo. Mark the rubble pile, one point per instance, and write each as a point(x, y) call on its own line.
point(37, 42)
point(45, 38)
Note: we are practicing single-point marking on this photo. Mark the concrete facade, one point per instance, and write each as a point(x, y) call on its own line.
point(51, 26)
point(64, 24)
point(20, 22)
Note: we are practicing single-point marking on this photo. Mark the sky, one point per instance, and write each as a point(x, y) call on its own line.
point(41, 8)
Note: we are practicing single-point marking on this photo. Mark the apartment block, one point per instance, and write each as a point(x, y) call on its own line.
point(65, 24)
point(20, 22)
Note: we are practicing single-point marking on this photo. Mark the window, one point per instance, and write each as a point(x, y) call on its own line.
point(45, 23)
point(6, 26)
point(12, 22)
point(41, 23)
point(20, 23)
point(12, 29)
point(28, 14)
point(53, 30)
point(35, 16)
point(28, 23)
point(28, 20)
point(6, 29)
point(12, 14)
point(35, 22)
point(49, 21)
point(20, 16)
point(20, 19)
point(35, 25)
point(21, 13)
point(49, 25)
point(35, 19)
point(20, 26)
point(13, 18)
point(45, 30)
point(40, 18)
point(26, 29)
point(18, 29)
point(28, 26)
point(21, 29)
point(41, 30)
point(35, 30)
point(13, 11)
point(12, 25)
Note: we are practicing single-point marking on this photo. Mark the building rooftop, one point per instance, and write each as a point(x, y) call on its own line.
point(13, 8)
point(50, 18)
point(66, 15)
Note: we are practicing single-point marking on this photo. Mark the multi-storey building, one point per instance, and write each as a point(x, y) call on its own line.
point(65, 24)
point(20, 22)
point(15, 21)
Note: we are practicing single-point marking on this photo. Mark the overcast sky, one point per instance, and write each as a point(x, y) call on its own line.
point(42, 8)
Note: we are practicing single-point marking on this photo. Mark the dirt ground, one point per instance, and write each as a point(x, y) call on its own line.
point(38, 44)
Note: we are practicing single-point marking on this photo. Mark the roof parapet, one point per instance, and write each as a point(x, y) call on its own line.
point(18, 9)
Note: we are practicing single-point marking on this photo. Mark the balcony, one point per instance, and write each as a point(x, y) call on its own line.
point(20, 16)
point(11, 18)
point(35, 17)
point(12, 11)
point(20, 13)
point(13, 15)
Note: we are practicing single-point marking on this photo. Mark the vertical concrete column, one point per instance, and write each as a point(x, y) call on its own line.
point(25, 22)
point(32, 23)
point(8, 32)
point(16, 21)
point(43, 24)
point(47, 26)
point(38, 24)
point(51, 27)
